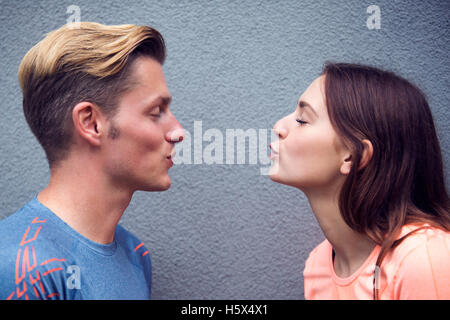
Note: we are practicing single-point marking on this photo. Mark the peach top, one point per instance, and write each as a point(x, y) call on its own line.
point(418, 268)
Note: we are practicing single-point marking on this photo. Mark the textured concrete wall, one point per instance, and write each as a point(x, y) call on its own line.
point(226, 231)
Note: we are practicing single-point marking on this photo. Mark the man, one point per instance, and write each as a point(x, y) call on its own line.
point(96, 99)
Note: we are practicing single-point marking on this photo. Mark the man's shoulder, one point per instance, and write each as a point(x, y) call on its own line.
point(19, 216)
point(20, 228)
point(29, 225)
point(133, 246)
point(126, 238)
point(32, 262)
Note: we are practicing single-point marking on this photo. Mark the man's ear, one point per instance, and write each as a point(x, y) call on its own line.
point(365, 158)
point(87, 119)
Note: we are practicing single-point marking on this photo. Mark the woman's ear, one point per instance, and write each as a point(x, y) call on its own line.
point(87, 122)
point(346, 166)
point(365, 158)
point(367, 154)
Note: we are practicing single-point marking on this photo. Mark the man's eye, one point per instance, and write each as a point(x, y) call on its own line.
point(156, 112)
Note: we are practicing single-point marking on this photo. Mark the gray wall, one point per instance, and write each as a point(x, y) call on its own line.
point(224, 231)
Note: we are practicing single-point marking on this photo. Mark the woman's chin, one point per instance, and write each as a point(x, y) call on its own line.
point(274, 174)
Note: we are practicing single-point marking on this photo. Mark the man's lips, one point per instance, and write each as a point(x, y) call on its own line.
point(170, 156)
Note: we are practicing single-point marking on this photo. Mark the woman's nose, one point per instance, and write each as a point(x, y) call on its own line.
point(279, 130)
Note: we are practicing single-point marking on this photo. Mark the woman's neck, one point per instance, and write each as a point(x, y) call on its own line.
point(351, 248)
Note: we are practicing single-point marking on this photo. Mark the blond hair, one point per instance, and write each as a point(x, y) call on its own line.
point(70, 65)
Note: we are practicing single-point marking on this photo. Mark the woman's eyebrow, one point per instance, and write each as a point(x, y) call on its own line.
point(303, 104)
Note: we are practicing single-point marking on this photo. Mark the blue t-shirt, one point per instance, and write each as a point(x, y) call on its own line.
point(41, 257)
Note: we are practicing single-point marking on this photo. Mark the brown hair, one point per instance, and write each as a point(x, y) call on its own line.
point(71, 65)
point(404, 182)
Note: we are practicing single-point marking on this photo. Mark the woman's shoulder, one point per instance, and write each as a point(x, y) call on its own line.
point(319, 255)
point(419, 266)
point(422, 239)
point(424, 249)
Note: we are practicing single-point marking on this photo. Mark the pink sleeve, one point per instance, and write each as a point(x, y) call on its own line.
point(307, 279)
point(310, 272)
point(425, 271)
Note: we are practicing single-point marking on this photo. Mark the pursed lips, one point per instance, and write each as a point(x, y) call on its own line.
point(171, 155)
point(274, 153)
point(169, 160)
point(273, 149)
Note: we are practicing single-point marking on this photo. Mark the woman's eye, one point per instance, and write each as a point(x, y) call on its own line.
point(301, 121)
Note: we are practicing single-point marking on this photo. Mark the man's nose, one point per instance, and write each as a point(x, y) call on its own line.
point(176, 134)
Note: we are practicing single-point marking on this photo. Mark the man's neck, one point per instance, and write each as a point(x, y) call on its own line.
point(84, 199)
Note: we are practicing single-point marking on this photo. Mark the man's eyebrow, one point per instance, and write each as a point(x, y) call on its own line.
point(166, 100)
point(303, 104)
point(163, 100)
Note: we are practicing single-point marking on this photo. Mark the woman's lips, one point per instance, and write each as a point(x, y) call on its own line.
point(274, 153)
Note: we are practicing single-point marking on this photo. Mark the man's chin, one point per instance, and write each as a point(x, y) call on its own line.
point(161, 186)
point(165, 187)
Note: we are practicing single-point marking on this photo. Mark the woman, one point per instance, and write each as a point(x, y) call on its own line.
point(362, 146)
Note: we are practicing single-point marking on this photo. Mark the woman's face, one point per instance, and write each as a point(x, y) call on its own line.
point(308, 153)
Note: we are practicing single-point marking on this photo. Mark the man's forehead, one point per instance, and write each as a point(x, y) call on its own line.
point(143, 65)
point(147, 79)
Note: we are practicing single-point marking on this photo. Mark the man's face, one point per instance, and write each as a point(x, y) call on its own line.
point(137, 151)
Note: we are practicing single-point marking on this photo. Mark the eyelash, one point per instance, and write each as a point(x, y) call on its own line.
point(301, 122)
